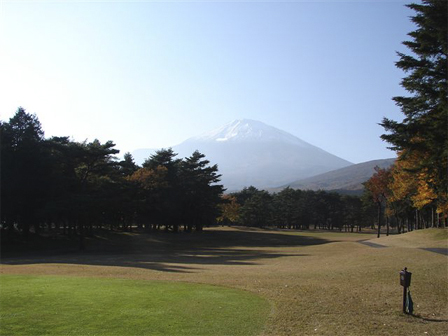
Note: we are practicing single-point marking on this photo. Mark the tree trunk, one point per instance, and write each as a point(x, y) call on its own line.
point(432, 217)
point(387, 226)
point(82, 245)
point(398, 224)
point(416, 221)
point(379, 219)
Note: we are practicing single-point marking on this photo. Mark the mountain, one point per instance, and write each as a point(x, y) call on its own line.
point(346, 180)
point(141, 154)
point(249, 152)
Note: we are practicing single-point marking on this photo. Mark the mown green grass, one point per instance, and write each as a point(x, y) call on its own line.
point(49, 305)
point(319, 283)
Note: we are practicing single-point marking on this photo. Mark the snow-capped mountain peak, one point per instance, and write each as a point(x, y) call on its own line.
point(249, 152)
point(248, 130)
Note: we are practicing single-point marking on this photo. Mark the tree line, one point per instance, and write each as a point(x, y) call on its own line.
point(74, 187)
point(414, 191)
point(61, 184)
point(404, 200)
point(297, 209)
point(71, 187)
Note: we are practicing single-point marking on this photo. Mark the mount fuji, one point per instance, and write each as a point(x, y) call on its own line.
point(249, 152)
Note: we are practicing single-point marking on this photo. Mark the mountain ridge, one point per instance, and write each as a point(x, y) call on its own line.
point(344, 179)
point(250, 152)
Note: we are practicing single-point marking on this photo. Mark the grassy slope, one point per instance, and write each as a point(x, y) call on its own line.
point(416, 239)
point(42, 305)
point(319, 283)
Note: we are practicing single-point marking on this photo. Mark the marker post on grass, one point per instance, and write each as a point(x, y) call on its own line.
point(405, 281)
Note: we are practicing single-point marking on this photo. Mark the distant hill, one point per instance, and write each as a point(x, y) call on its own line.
point(249, 152)
point(347, 180)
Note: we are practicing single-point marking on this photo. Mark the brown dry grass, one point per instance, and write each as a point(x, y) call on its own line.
point(437, 238)
point(318, 283)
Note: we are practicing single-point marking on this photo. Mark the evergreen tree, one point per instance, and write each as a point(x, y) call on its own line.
point(22, 173)
point(257, 210)
point(201, 193)
point(423, 132)
point(287, 208)
point(128, 165)
point(168, 203)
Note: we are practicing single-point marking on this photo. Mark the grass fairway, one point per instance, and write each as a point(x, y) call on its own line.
point(318, 283)
point(43, 305)
point(437, 238)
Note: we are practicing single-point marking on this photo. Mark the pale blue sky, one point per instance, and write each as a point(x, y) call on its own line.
point(151, 74)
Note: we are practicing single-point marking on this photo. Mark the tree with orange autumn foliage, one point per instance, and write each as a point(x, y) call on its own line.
point(421, 137)
point(402, 187)
point(229, 210)
point(411, 187)
point(378, 191)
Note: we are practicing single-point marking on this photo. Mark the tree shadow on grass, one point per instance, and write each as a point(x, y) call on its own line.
point(181, 253)
point(427, 319)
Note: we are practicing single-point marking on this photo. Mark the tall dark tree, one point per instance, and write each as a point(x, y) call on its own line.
point(61, 160)
point(352, 212)
point(201, 193)
point(148, 189)
point(257, 210)
point(22, 174)
point(23, 129)
point(245, 194)
point(128, 165)
point(95, 170)
point(423, 132)
point(287, 208)
point(168, 204)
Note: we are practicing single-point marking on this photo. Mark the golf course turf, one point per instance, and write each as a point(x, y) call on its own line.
point(316, 283)
point(51, 305)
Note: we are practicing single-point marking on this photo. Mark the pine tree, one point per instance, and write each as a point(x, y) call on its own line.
point(201, 192)
point(423, 131)
point(128, 165)
point(22, 173)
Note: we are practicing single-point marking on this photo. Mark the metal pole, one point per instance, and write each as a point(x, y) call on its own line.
point(404, 298)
